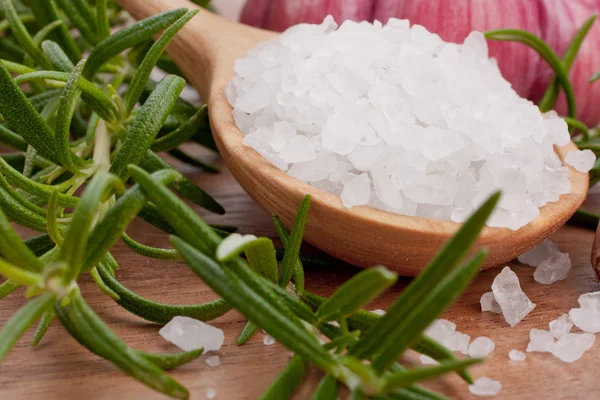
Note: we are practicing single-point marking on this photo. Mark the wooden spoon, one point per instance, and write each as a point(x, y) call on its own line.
point(206, 49)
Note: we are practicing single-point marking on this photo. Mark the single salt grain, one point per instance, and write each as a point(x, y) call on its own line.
point(457, 341)
point(571, 346)
point(211, 393)
point(370, 113)
point(485, 387)
point(586, 319)
point(481, 347)
point(590, 300)
point(190, 334)
point(427, 360)
point(213, 361)
point(539, 254)
point(561, 326)
point(489, 303)
point(554, 269)
point(268, 340)
point(513, 301)
point(581, 160)
point(516, 355)
point(440, 329)
point(540, 341)
point(379, 312)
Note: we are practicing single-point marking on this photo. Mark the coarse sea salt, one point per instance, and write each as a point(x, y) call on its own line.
point(392, 117)
point(516, 355)
point(540, 341)
point(539, 253)
point(581, 160)
point(428, 360)
point(481, 347)
point(488, 303)
point(485, 387)
point(190, 334)
point(211, 393)
point(555, 268)
point(561, 326)
point(213, 361)
point(512, 300)
point(571, 346)
point(445, 332)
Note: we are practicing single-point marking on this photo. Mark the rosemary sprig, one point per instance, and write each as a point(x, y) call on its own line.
point(91, 124)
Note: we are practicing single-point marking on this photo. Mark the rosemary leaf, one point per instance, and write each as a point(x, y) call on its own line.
point(327, 389)
point(138, 82)
point(288, 380)
point(356, 292)
point(172, 361)
point(147, 124)
point(74, 249)
point(129, 37)
point(19, 322)
point(47, 319)
point(158, 312)
point(292, 249)
point(150, 252)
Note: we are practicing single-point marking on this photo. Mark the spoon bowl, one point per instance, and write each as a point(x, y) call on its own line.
point(206, 49)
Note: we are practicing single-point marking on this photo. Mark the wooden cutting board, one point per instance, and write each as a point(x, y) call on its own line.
point(61, 369)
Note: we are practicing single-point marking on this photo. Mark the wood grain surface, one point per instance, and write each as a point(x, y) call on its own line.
point(61, 369)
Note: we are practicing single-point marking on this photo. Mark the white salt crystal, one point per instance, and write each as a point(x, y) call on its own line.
point(428, 360)
point(586, 319)
point(581, 160)
point(512, 300)
point(561, 326)
point(481, 347)
point(571, 346)
point(553, 269)
point(211, 393)
point(485, 387)
point(590, 300)
point(268, 340)
point(457, 341)
point(213, 361)
point(489, 303)
point(540, 253)
point(440, 329)
point(540, 340)
point(516, 355)
point(190, 334)
point(411, 112)
point(379, 312)
point(357, 191)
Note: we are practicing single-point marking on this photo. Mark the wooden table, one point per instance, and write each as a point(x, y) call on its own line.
point(61, 369)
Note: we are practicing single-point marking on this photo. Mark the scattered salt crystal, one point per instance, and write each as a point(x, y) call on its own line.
point(581, 160)
point(457, 341)
point(489, 303)
point(540, 340)
point(379, 312)
point(211, 393)
point(540, 253)
point(586, 319)
point(190, 334)
point(213, 361)
point(590, 300)
point(268, 340)
point(481, 347)
point(335, 323)
point(440, 329)
point(485, 387)
point(571, 346)
point(427, 360)
point(371, 114)
point(554, 269)
point(512, 300)
point(561, 326)
point(516, 355)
